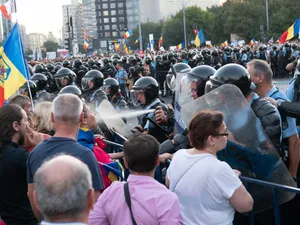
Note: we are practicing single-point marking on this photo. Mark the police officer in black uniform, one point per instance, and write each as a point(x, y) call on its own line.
point(145, 93)
point(91, 84)
point(64, 77)
point(112, 89)
point(41, 83)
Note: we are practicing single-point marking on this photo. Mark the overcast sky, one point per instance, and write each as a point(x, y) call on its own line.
point(41, 16)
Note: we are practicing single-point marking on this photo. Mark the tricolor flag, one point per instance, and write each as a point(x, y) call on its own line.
point(114, 171)
point(8, 8)
point(180, 46)
point(127, 34)
point(200, 39)
point(160, 42)
point(252, 41)
point(13, 67)
point(86, 42)
point(291, 32)
point(125, 49)
point(136, 41)
point(117, 47)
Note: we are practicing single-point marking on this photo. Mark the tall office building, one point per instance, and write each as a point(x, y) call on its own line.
point(111, 18)
point(150, 11)
point(89, 18)
point(68, 12)
point(79, 24)
point(36, 40)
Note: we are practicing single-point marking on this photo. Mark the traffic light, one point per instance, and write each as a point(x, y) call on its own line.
point(67, 43)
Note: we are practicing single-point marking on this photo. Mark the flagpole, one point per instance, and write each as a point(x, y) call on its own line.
point(140, 26)
point(26, 71)
point(184, 23)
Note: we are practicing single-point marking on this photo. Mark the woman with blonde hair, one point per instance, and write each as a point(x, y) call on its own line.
point(41, 118)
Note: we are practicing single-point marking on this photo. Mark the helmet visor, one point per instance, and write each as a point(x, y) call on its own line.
point(86, 83)
point(171, 81)
point(135, 96)
point(62, 81)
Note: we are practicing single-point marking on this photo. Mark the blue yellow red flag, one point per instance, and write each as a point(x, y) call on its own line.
point(13, 66)
point(199, 39)
point(114, 170)
point(86, 42)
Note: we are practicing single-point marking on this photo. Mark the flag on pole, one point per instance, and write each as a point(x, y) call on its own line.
point(117, 47)
point(125, 49)
point(86, 42)
point(291, 32)
point(180, 46)
point(271, 40)
point(127, 34)
point(252, 41)
point(8, 8)
point(136, 41)
point(13, 66)
point(200, 39)
point(160, 42)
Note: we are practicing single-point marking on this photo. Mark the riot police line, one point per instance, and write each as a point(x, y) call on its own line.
point(95, 85)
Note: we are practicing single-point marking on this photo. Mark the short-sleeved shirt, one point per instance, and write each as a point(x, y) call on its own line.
point(204, 186)
point(15, 208)
point(121, 74)
point(289, 128)
point(59, 145)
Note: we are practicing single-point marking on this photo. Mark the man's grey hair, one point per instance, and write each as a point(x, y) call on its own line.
point(63, 193)
point(67, 108)
point(261, 67)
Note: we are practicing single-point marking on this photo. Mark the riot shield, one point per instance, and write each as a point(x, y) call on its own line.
point(248, 149)
point(182, 96)
point(112, 120)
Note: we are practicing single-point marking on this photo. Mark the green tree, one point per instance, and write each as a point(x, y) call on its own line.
point(173, 32)
point(50, 46)
point(147, 28)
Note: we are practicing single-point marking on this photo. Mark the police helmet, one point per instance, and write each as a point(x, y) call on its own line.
point(111, 86)
point(66, 64)
point(231, 74)
point(200, 75)
point(124, 59)
point(77, 63)
point(64, 77)
point(24, 89)
point(105, 61)
point(148, 86)
point(58, 64)
point(38, 68)
point(148, 60)
point(92, 80)
point(50, 67)
point(57, 68)
point(30, 69)
point(70, 89)
point(40, 81)
point(115, 56)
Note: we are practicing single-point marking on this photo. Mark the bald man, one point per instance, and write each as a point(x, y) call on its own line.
point(63, 191)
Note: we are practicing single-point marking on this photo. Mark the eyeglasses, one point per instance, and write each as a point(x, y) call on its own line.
point(226, 133)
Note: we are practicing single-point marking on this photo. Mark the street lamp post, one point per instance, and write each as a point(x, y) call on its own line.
point(267, 14)
point(184, 23)
point(140, 26)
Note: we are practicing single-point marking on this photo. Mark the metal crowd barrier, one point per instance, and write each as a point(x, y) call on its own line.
point(275, 187)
